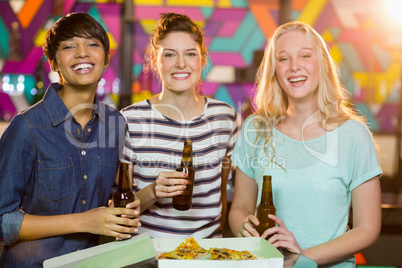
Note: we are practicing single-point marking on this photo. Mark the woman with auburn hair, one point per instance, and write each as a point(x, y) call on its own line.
point(319, 152)
point(159, 125)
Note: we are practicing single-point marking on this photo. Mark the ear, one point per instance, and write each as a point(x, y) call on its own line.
point(107, 60)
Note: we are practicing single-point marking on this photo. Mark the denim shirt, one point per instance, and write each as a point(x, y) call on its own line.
point(48, 167)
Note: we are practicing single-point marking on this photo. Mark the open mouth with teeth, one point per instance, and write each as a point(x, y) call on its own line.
point(181, 75)
point(83, 67)
point(297, 79)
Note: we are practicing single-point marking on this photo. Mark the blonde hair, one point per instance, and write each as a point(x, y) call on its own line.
point(271, 100)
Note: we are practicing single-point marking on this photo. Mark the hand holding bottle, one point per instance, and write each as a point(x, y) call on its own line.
point(258, 226)
point(170, 183)
point(124, 199)
point(249, 227)
point(103, 221)
point(281, 237)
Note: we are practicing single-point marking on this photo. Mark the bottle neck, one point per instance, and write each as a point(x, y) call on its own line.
point(266, 196)
point(125, 183)
point(187, 158)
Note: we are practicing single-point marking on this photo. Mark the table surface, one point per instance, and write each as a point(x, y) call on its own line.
point(292, 260)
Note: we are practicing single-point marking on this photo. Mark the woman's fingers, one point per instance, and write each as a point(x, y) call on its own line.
point(248, 227)
point(170, 183)
point(281, 236)
point(277, 220)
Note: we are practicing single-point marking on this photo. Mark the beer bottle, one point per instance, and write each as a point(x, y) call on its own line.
point(124, 193)
point(184, 201)
point(266, 206)
point(15, 45)
point(40, 86)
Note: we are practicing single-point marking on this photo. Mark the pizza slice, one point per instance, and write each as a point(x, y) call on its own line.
point(178, 254)
point(187, 250)
point(230, 254)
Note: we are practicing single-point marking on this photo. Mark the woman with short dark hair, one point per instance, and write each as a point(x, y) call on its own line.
point(59, 158)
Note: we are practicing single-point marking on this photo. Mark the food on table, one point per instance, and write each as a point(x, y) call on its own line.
point(230, 254)
point(190, 250)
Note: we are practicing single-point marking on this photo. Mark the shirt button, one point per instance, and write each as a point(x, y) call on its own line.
point(85, 177)
point(89, 130)
point(84, 202)
point(83, 152)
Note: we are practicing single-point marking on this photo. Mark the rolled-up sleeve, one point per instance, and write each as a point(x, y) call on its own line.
point(10, 226)
point(15, 171)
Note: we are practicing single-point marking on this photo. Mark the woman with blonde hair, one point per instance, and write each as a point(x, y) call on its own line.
point(318, 150)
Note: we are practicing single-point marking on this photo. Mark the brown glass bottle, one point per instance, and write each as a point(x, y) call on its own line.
point(184, 201)
point(124, 193)
point(266, 206)
point(40, 86)
point(15, 45)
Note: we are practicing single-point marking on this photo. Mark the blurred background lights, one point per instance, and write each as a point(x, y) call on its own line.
point(20, 85)
point(21, 78)
point(116, 85)
point(101, 86)
point(6, 78)
point(394, 8)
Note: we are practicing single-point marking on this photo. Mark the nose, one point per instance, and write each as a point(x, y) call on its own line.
point(295, 65)
point(180, 62)
point(81, 51)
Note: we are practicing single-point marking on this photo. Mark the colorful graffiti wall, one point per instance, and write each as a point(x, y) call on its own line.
point(357, 32)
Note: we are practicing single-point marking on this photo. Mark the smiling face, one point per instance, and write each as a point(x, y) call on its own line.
point(80, 61)
point(297, 66)
point(179, 62)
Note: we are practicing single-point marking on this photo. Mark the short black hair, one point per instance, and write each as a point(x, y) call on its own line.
point(75, 24)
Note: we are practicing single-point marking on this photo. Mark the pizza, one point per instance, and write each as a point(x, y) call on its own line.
point(230, 254)
point(190, 250)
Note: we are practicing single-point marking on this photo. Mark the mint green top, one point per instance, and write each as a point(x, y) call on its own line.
point(312, 197)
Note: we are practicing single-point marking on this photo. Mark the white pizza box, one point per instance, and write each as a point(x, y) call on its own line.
point(267, 255)
point(137, 251)
point(142, 251)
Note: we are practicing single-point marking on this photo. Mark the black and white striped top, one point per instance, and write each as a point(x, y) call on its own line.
point(155, 143)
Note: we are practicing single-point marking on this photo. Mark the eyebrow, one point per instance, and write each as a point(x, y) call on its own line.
point(303, 48)
point(171, 49)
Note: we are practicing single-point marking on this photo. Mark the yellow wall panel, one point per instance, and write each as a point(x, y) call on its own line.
point(336, 54)
point(362, 77)
point(149, 2)
point(112, 41)
point(147, 25)
point(312, 10)
point(39, 38)
point(197, 3)
point(224, 3)
point(327, 36)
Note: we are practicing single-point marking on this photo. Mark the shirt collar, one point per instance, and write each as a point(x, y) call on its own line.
point(58, 111)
